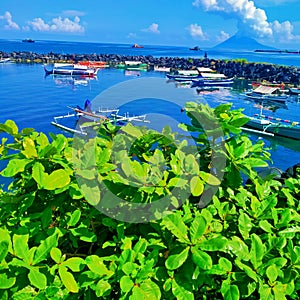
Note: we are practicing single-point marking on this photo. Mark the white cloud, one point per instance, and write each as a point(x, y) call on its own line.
point(252, 21)
point(223, 36)
point(131, 35)
point(9, 22)
point(73, 13)
point(197, 32)
point(57, 25)
point(152, 28)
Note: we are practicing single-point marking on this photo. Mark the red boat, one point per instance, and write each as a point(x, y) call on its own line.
point(93, 64)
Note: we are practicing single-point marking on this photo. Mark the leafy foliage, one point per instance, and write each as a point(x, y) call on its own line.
point(54, 244)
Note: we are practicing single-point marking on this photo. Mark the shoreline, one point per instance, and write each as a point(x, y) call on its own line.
point(231, 68)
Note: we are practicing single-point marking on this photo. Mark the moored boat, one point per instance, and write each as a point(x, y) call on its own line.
point(137, 46)
point(4, 60)
point(93, 64)
point(273, 126)
point(71, 69)
point(263, 92)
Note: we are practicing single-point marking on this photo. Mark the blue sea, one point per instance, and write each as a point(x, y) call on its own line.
point(33, 100)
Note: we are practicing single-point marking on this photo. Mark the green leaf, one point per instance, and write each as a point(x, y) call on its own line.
point(177, 227)
point(201, 259)
point(29, 148)
point(126, 284)
point(3, 249)
point(230, 292)
point(265, 292)
point(129, 267)
point(75, 217)
point(20, 243)
point(68, 280)
point(37, 279)
point(96, 265)
point(56, 255)
point(257, 251)
point(213, 244)
point(180, 292)
point(196, 186)
point(174, 261)
point(38, 173)
point(6, 282)
point(57, 179)
point(147, 290)
point(272, 273)
point(76, 264)
point(244, 224)
point(209, 178)
point(44, 248)
point(102, 287)
point(197, 229)
point(14, 167)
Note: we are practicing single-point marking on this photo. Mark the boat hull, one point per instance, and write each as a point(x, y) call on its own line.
point(278, 129)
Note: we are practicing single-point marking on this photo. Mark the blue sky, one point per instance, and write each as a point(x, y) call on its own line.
point(167, 22)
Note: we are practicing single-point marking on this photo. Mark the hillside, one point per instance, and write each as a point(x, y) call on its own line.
point(237, 43)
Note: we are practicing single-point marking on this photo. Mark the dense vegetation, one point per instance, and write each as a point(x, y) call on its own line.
point(56, 244)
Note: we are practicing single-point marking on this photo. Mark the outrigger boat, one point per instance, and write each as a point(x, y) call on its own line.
point(86, 119)
point(271, 126)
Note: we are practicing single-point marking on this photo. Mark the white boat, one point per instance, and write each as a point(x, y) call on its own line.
point(4, 60)
point(71, 69)
point(264, 92)
point(85, 119)
point(202, 76)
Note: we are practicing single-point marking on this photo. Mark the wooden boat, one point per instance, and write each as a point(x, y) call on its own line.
point(202, 76)
point(256, 84)
point(294, 91)
point(132, 65)
point(85, 119)
point(196, 48)
point(71, 69)
point(93, 64)
point(273, 126)
point(267, 93)
point(4, 60)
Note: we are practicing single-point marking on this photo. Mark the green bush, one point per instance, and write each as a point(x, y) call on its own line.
point(56, 244)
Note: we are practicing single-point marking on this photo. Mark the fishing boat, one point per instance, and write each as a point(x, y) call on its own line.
point(264, 92)
point(256, 84)
point(196, 48)
point(132, 65)
point(93, 64)
point(4, 60)
point(294, 91)
point(137, 46)
point(71, 69)
point(202, 76)
point(268, 125)
point(83, 120)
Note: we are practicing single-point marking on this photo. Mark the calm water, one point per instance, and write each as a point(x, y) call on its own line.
point(32, 100)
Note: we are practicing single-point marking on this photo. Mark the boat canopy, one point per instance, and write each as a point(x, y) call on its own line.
point(213, 75)
point(188, 72)
point(263, 89)
point(132, 62)
point(204, 69)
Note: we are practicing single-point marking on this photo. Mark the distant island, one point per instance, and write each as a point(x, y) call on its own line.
point(278, 51)
point(241, 43)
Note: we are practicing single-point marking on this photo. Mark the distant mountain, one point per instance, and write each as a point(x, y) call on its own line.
point(239, 43)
